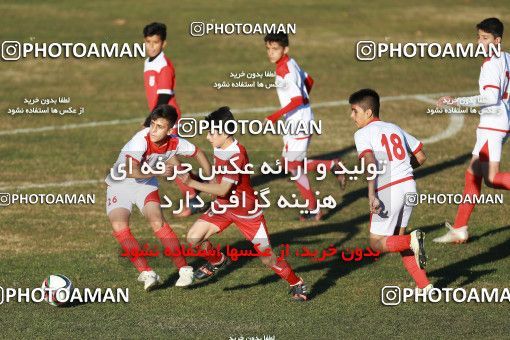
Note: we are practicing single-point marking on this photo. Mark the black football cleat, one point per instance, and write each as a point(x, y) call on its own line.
point(299, 292)
point(208, 269)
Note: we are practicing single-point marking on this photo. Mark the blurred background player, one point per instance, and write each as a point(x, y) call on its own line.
point(293, 88)
point(251, 223)
point(159, 81)
point(492, 132)
point(385, 144)
point(148, 146)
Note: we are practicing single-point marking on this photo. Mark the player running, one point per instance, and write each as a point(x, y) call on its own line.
point(229, 153)
point(383, 144)
point(294, 86)
point(159, 81)
point(492, 132)
point(127, 187)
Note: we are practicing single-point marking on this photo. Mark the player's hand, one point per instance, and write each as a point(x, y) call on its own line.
point(169, 170)
point(185, 178)
point(445, 101)
point(374, 204)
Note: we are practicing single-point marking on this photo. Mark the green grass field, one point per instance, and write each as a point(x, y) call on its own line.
point(247, 300)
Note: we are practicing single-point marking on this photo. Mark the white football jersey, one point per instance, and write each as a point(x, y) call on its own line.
point(391, 147)
point(142, 150)
point(290, 83)
point(493, 97)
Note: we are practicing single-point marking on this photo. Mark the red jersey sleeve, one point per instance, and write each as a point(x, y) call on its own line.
point(166, 80)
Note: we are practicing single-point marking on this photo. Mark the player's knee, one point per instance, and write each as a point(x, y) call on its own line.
point(192, 241)
point(375, 244)
point(156, 224)
point(489, 181)
point(193, 238)
point(119, 225)
point(268, 261)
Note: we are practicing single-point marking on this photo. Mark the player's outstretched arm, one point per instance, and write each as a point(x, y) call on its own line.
point(295, 102)
point(219, 189)
point(204, 163)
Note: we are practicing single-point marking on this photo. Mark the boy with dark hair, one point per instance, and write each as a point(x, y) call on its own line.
point(385, 144)
point(293, 89)
point(127, 187)
point(159, 81)
point(247, 216)
point(492, 132)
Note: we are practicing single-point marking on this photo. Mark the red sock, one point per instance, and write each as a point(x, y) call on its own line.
point(169, 240)
point(502, 180)
point(212, 259)
point(283, 270)
point(472, 186)
point(130, 244)
point(311, 164)
point(419, 275)
point(398, 243)
point(184, 188)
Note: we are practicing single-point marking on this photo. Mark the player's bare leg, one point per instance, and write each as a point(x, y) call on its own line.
point(331, 166)
point(458, 233)
point(303, 185)
point(169, 240)
point(411, 248)
point(198, 236)
point(493, 178)
point(341, 178)
point(479, 168)
point(119, 219)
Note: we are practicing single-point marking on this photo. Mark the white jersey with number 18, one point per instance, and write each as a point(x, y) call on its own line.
point(391, 147)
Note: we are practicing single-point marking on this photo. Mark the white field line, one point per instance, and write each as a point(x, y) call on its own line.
point(455, 125)
point(198, 114)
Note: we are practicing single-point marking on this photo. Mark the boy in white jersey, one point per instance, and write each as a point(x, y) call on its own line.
point(293, 88)
point(128, 185)
point(381, 144)
point(492, 132)
point(159, 83)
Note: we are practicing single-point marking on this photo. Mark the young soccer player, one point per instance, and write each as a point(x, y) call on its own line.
point(159, 81)
point(148, 147)
point(385, 144)
point(227, 152)
point(294, 86)
point(492, 132)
